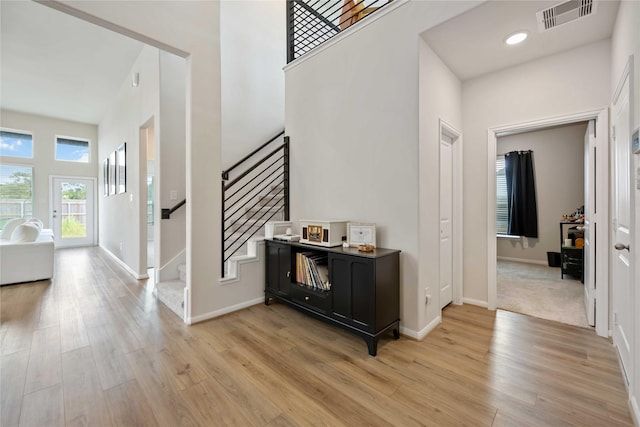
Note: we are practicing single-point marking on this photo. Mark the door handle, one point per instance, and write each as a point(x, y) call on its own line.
point(620, 246)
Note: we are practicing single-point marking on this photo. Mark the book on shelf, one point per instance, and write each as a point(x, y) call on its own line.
point(312, 270)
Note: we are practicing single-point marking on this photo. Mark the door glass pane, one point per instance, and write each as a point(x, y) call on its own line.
point(73, 210)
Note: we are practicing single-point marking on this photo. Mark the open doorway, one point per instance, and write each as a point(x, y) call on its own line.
point(532, 277)
point(596, 292)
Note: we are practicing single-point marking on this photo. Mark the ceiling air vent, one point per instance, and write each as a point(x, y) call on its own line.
point(565, 12)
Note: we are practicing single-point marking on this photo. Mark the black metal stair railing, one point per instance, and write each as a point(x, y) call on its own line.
point(312, 22)
point(258, 193)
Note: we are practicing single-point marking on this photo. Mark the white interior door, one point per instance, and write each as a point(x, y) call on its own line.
point(622, 292)
point(590, 223)
point(72, 211)
point(446, 198)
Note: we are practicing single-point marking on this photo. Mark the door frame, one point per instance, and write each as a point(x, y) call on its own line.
point(601, 116)
point(445, 129)
point(95, 201)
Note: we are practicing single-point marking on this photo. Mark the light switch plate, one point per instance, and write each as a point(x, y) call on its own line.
point(173, 195)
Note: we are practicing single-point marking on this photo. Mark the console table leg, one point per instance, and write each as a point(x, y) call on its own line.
point(396, 333)
point(372, 344)
point(266, 300)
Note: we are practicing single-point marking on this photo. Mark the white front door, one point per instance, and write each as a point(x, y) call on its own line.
point(622, 292)
point(590, 222)
point(446, 198)
point(72, 211)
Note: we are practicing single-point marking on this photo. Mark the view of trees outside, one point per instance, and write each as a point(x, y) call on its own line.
point(16, 193)
point(16, 200)
point(74, 199)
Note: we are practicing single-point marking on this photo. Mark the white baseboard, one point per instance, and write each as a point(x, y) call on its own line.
point(123, 265)
point(479, 303)
point(523, 260)
point(419, 335)
point(222, 311)
point(635, 410)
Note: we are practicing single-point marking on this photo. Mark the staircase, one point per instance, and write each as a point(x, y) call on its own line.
point(256, 192)
point(171, 292)
point(251, 222)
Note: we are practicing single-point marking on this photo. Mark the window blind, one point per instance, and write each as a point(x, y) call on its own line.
point(502, 213)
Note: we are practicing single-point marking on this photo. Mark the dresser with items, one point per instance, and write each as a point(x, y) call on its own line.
point(357, 291)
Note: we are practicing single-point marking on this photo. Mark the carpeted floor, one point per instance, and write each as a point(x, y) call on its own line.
point(538, 290)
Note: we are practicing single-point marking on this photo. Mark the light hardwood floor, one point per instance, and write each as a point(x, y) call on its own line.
point(93, 347)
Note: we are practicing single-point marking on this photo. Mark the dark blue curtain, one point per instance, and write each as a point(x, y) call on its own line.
point(521, 194)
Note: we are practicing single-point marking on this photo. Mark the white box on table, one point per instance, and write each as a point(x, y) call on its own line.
point(273, 228)
point(323, 233)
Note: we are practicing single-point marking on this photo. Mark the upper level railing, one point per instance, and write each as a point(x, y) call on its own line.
point(312, 22)
point(254, 191)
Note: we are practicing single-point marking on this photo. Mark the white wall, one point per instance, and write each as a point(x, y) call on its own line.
point(252, 76)
point(440, 97)
point(45, 130)
point(171, 155)
point(562, 84)
point(624, 42)
point(120, 229)
point(352, 115)
point(558, 160)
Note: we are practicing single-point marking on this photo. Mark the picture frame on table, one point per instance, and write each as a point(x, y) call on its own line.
point(361, 234)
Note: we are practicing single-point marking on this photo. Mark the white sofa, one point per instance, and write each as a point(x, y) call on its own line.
point(26, 256)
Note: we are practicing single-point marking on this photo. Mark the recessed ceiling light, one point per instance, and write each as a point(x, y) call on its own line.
point(516, 38)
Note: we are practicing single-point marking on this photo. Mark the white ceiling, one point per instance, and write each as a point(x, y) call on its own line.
point(59, 66)
point(472, 44)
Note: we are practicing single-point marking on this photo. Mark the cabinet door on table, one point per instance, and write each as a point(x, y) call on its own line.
point(278, 267)
point(352, 290)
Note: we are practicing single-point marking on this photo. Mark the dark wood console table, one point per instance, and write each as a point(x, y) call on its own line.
point(364, 293)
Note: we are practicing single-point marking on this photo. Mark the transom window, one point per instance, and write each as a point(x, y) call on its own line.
point(16, 144)
point(72, 149)
point(16, 192)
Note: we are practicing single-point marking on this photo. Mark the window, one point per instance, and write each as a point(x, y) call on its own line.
point(502, 214)
point(72, 150)
point(16, 192)
point(16, 144)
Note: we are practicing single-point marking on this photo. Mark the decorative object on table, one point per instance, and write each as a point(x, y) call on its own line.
point(361, 234)
point(576, 216)
point(366, 248)
point(323, 233)
point(273, 228)
point(287, 237)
